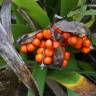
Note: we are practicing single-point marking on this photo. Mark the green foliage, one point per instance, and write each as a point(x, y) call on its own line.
point(19, 18)
point(72, 93)
point(53, 7)
point(82, 11)
point(2, 62)
point(90, 12)
point(72, 63)
point(67, 6)
point(93, 38)
point(81, 2)
point(87, 69)
point(71, 74)
point(85, 66)
point(71, 78)
point(35, 11)
point(39, 75)
point(90, 22)
point(19, 30)
point(37, 14)
point(1, 2)
point(30, 93)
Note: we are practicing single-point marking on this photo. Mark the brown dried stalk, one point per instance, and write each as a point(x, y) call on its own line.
point(10, 55)
point(6, 19)
point(55, 87)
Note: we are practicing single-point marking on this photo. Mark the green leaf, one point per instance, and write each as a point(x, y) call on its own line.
point(30, 93)
point(93, 38)
point(67, 76)
point(90, 12)
point(19, 30)
point(39, 75)
point(59, 74)
point(71, 78)
point(88, 73)
point(35, 11)
point(1, 1)
point(53, 7)
point(2, 62)
point(75, 15)
point(67, 6)
point(83, 9)
point(81, 2)
point(19, 18)
point(72, 93)
point(85, 66)
point(72, 63)
point(90, 22)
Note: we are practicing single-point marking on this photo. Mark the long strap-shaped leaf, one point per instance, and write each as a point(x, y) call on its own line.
point(27, 18)
point(8, 52)
point(67, 5)
point(34, 11)
point(6, 18)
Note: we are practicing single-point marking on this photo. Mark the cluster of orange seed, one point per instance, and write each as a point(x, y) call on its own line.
point(81, 43)
point(44, 44)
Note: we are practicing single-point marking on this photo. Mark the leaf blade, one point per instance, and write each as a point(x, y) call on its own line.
point(67, 5)
point(39, 76)
point(72, 93)
point(30, 6)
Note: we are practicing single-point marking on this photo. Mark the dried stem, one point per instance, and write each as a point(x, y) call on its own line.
point(13, 59)
point(55, 87)
point(6, 19)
